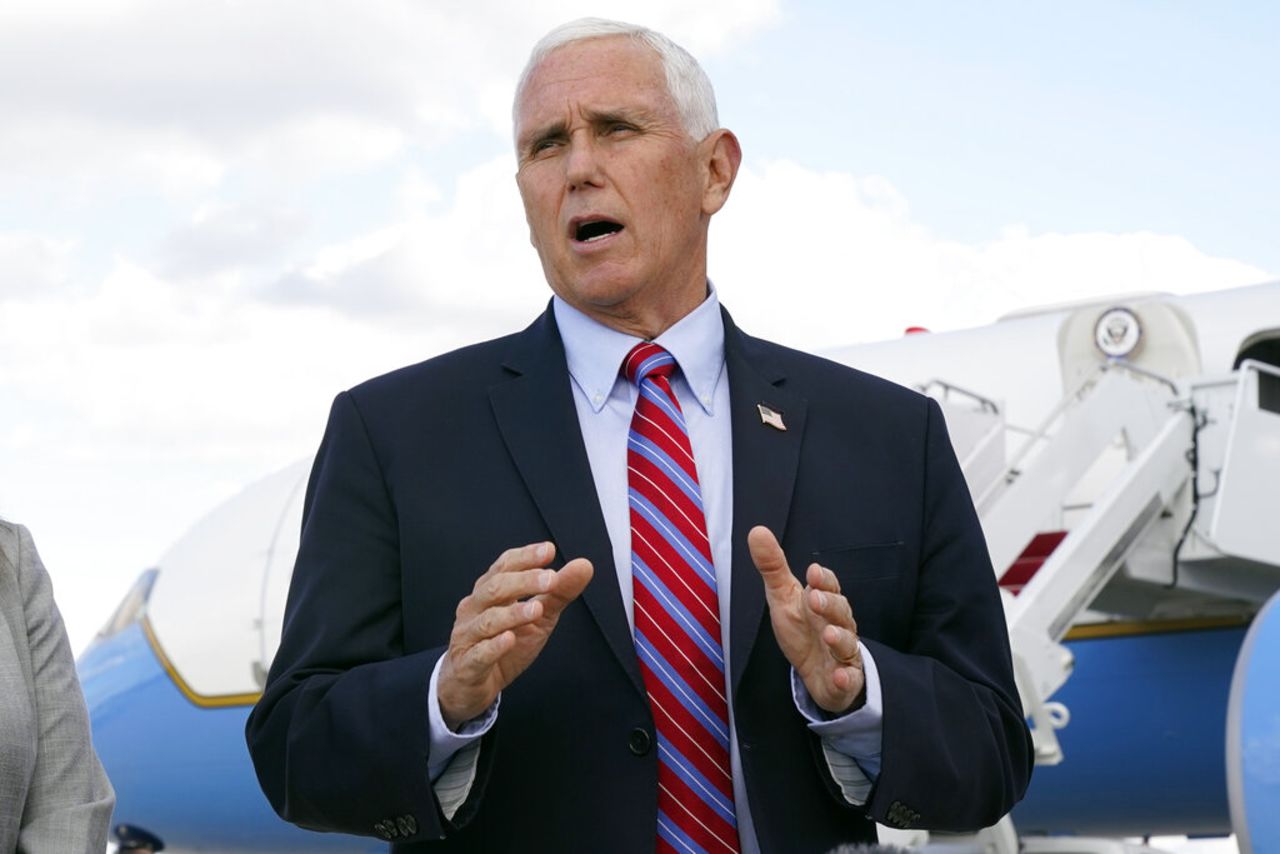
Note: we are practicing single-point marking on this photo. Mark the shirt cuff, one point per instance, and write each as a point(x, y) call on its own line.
point(444, 742)
point(856, 735)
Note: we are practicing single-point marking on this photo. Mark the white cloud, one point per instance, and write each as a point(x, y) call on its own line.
point(820, 259)
point(180, 94)
point(76, 159)
point(222, 237)
point(32, 263)
point(468, 268)
point(146, 371)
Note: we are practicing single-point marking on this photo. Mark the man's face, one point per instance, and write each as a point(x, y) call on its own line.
point(614, 190)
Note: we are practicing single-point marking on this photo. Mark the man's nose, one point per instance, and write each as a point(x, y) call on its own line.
point(582, 166)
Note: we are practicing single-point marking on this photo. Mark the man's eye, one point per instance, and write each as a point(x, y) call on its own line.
point(619, 127)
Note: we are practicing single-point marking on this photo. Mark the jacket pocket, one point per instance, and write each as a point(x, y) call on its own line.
point(860, 563)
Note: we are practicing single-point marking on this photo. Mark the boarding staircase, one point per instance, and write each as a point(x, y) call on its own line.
point(1117, 411)
point(1180, 476)
point(1158, 495)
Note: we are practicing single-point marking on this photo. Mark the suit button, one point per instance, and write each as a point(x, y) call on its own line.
point(639, 741)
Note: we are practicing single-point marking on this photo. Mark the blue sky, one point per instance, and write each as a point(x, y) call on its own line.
point(1082, 116)
point(215, 216)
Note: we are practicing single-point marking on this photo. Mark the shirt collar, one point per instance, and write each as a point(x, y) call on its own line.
point(594, 351)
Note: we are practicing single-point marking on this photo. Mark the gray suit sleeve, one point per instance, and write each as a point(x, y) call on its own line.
point(69, 802)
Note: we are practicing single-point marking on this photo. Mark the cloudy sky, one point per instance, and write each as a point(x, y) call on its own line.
point(215, 215)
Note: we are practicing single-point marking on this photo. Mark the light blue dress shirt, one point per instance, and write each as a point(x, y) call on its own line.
point(605, 402)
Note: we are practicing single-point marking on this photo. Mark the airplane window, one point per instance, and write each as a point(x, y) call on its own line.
point(1269, 392)
point(132, 606)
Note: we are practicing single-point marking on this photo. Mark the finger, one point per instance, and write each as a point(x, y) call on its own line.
point(829, 607)
point(474, 665)
point(534, 555)
point(848, 679)
point(567, 584)
point(492, 622)
point(843, 646)
point(506, 587)
point(770, 560)
point(822, 578)
point(494, 587)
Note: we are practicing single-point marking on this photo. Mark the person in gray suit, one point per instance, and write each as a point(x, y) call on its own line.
point(54, 796)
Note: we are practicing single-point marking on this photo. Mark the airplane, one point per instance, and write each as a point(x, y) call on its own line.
point(1124, 457)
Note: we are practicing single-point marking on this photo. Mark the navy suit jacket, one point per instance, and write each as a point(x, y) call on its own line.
point(426, 474)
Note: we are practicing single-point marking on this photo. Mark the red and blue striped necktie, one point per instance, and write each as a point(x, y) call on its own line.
point(677, 617)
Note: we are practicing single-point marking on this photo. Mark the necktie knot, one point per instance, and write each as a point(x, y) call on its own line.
point(646, 360)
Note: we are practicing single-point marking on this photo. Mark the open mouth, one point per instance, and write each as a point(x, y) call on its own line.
point(595, 229)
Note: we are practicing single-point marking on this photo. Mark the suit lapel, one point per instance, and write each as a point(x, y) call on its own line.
point(539, 423)
point(764, 472)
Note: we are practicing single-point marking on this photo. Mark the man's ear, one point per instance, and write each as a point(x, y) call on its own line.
point(723, 155)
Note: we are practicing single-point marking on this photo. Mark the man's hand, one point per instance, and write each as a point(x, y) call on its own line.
point(502, 626)
point(813, 624)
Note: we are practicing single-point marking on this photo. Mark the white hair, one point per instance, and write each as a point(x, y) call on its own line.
point(687, 83)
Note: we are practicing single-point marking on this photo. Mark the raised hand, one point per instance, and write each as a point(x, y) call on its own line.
point(814, 625)
point(502, 626)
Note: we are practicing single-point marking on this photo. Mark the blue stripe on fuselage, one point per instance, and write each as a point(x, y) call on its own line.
point(179, 770)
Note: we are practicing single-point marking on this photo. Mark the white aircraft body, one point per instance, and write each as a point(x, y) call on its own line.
point(1124, 456)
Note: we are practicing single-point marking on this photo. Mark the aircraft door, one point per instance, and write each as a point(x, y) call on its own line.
point(1261, 347)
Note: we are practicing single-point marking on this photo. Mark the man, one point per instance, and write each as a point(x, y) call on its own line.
point(548, 594)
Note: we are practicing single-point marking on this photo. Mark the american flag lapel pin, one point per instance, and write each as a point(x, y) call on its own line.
point(771, 417)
